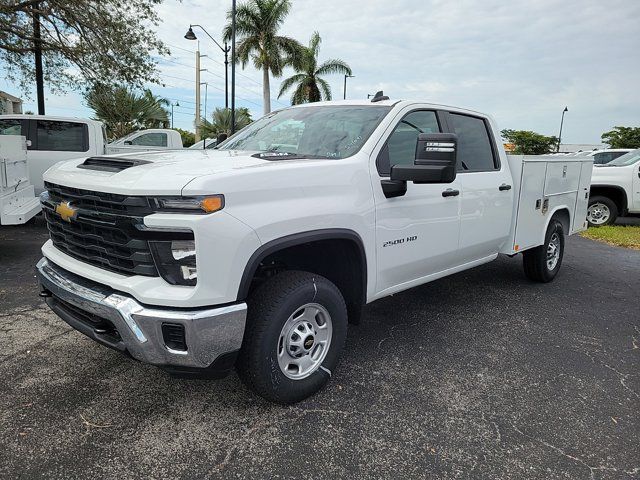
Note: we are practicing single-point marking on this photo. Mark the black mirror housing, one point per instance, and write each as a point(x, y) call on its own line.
point(435, 160)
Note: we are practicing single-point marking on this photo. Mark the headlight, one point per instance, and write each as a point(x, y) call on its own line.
point(199, 204)
point(176, 261)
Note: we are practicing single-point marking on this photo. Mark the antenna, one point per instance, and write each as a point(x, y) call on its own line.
point(379, 96)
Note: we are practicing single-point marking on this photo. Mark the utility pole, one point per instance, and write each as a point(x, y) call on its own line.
point(197, 123)
point(206, 88)
point(37, 50)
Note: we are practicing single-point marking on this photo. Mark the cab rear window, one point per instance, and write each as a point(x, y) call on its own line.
point(58, 136)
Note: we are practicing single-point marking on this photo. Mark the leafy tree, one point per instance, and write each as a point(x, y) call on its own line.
point(257, 25)
point(188, 138)
point(310, 87)
point(221, 122)
point(82, 41)
point(530, 143)
point(622, 137)
point(124, 110)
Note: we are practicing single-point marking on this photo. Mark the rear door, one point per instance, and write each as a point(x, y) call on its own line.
point(417, 233)
point(486, 185)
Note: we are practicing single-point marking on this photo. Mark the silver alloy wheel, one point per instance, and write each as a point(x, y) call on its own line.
point(553, 251)
point(598, 214)
point(304, 341)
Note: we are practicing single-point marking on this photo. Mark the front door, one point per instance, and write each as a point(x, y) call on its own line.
point(416, 234)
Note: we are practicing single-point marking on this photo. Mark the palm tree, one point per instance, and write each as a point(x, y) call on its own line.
point(310, 86)
point(257, 24)
point(124, 110)
point(221, 122)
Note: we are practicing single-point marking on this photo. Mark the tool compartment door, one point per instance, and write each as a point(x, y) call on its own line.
point(562, 178)
point(529, 220)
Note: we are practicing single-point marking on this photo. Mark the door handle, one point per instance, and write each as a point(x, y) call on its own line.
point(450, 193)
point(504, 187)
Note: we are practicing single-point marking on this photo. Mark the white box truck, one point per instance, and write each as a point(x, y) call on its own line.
point(257, 254)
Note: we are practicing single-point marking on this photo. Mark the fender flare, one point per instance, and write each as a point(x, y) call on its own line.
point(298, 239)
point(553, 213)
point(618, 188)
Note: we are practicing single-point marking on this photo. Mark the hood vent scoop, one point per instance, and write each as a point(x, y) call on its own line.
point(110, 164)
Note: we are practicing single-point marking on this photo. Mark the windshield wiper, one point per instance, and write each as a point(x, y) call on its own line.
point(275, 155)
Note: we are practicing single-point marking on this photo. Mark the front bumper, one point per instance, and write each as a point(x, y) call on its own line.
point(212, 335)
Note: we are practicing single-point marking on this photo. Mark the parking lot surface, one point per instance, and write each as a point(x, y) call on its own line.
point(480, 375)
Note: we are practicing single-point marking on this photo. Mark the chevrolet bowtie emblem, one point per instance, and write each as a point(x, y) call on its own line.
point(66, 211)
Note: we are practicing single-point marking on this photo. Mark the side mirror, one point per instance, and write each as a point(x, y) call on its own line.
point(128, 142)
point(435, 160)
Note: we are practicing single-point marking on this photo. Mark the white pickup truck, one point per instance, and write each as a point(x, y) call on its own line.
point(615, 189)
point(151, 139)
point(258, 254)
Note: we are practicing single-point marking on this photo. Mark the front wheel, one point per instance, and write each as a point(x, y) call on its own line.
point(296, 329)
point(542, 263)
point(601, 211)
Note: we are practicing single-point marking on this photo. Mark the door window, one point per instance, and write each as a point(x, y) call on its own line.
point(57, 136)
point(604, 157)
point(475, 151)
point(400, 148)
point(155, 139)
point(10, 126)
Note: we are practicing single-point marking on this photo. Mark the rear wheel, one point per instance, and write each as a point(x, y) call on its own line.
point(542, 263)
point(602, 211)
point(296, 328)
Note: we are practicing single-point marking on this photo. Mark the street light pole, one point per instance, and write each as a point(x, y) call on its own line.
point(233, 67)
point(561, 123)
point(177, 104)
point(345, 84)
point(192, 36)
point(226, 76)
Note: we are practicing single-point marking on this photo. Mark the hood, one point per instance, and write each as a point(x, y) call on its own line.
point(150, 173)
point(605, 174)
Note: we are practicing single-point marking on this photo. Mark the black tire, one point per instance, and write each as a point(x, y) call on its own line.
point(269, 308)
point(610, 204)
point(535, 259)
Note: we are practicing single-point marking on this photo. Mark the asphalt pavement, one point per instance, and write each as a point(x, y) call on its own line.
point(483, 374)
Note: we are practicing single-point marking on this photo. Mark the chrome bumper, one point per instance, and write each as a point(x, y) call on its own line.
point(211, 334)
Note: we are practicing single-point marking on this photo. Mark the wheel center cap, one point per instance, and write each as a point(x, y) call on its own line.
point(308, 342)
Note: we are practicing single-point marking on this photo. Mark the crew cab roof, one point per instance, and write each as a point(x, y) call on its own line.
point(392, 103)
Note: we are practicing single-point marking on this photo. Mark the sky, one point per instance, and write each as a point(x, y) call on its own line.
point(520, 61)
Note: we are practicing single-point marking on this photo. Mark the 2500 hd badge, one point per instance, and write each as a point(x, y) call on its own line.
point(391, 243)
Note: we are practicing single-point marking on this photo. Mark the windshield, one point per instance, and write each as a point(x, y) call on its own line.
point(626, 159)
point(335, 131)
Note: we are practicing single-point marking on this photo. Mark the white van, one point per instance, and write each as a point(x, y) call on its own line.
point(51, 139)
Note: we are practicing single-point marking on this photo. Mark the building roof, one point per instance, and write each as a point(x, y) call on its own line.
point(9, 97)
